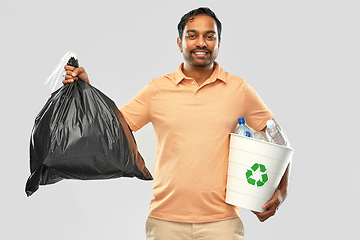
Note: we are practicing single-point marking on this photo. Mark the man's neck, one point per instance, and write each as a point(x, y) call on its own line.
point(199, 74)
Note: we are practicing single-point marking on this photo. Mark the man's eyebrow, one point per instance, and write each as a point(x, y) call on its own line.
point(194, 31)
point(191, 31)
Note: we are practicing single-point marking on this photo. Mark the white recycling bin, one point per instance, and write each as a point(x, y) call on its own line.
point(254, 172)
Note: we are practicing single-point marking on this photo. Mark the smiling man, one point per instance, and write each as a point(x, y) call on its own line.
point(193, 111)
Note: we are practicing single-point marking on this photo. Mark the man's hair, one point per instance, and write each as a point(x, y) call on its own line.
point(199, 11)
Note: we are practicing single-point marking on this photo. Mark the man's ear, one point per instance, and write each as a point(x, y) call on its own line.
point(219, 43)
point(179, 44)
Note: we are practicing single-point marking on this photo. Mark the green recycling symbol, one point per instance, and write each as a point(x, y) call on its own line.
point(250, 173)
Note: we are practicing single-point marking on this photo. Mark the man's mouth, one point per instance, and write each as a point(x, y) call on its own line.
point(200, 53)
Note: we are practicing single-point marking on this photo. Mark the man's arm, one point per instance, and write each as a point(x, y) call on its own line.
point(279, 195)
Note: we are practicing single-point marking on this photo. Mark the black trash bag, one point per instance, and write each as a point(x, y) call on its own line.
point(81, 134)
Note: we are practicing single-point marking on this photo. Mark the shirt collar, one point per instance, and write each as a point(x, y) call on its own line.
point(218, 73)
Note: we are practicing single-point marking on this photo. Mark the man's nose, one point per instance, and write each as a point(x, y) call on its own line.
point(201, 42)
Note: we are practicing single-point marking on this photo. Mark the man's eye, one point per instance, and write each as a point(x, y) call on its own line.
point(191, 36)
point(211, 37)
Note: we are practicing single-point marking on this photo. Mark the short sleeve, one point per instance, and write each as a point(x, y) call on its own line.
point(256, 112)
point(136, 111)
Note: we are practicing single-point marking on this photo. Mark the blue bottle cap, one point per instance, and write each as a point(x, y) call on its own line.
point(241, 120)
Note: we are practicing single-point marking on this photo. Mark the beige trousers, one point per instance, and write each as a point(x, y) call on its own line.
point(232, 229)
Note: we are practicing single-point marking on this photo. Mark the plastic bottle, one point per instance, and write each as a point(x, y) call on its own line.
point(274, 133)
point(243, 129)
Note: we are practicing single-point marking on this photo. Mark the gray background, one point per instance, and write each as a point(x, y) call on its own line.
point(302, 57)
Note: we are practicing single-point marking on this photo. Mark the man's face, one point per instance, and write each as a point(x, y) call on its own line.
point(200, 42)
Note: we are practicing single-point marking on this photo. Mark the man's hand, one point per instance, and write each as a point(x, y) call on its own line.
point(271, 206)
point(73, 74)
